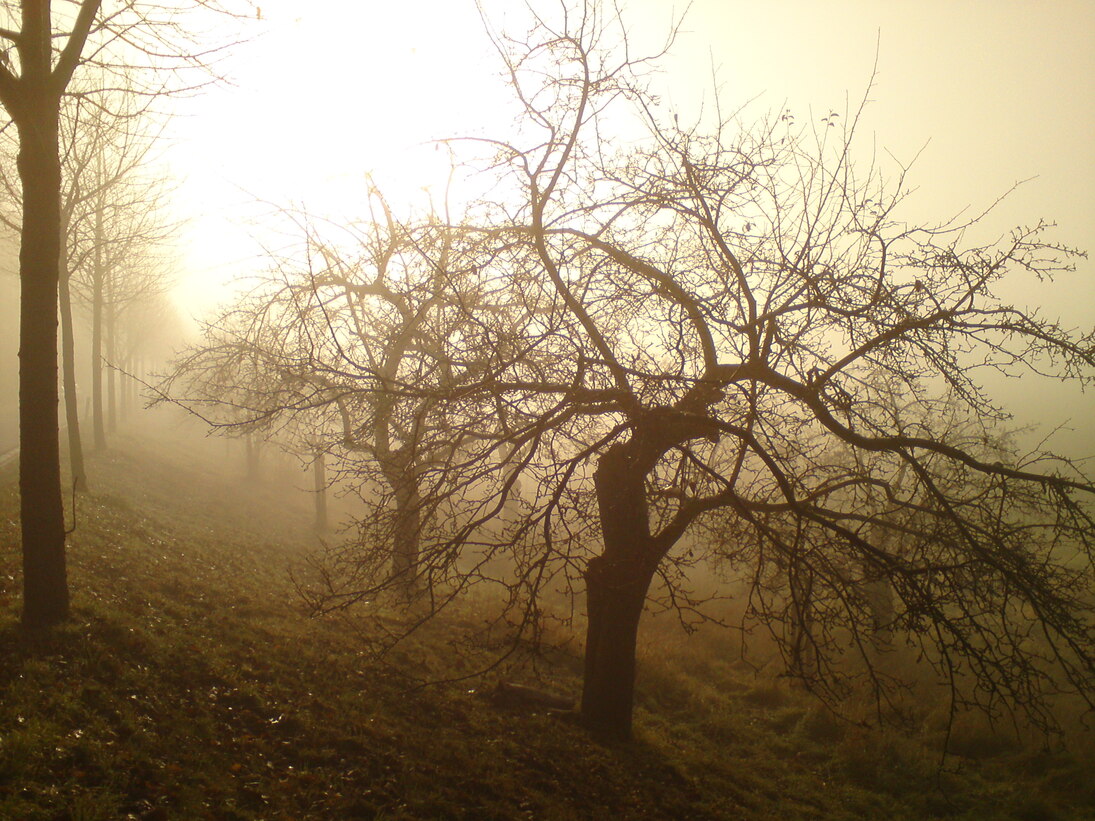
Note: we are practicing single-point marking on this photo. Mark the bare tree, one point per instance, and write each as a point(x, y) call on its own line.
point(702, 332)
point(109, 209)
point(345, 353)
point(151, 332)
point(731, 298)
point(46, 49)
point(121, 239)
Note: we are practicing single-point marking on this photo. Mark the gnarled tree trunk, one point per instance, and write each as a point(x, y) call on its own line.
point(617, 582)
point(615, 595)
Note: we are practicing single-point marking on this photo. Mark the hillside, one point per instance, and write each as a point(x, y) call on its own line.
point(190, 684)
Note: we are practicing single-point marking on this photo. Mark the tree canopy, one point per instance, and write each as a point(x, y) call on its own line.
point(715, 344)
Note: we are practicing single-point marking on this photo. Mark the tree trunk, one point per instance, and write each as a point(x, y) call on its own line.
point(878, 594)
point(72, 406)
point(876, 591)
point(405, 537)
point(136, 373)
point(319, 472)
point(126, 367)
point(252, 456)
point(615, 595)
point(111, 391)
point(128, 377)
point(98, 423)
point(802, 660)
point(616, 585)
point(45, 577)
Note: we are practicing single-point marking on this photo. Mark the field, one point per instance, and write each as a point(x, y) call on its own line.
point(190, 683)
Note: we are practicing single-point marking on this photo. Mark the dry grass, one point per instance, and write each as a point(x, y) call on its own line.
point(189, 684)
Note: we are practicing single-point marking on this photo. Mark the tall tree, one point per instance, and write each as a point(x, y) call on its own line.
point(150, 332)
point(104, 151)
point(45, 50)
point(119, 265)
point(32, 97)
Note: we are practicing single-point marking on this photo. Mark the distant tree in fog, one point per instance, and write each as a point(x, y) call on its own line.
point(111, 221)
point(45, 50)
point(345, 350)
point(703, 332)
point(117, 232)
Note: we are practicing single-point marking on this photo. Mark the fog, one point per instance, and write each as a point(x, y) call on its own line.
point(975, 97)
point(504, 459)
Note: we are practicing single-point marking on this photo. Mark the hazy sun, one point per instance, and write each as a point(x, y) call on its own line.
point(330, 93)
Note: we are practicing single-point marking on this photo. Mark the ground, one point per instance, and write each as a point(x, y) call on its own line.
point(191, 683)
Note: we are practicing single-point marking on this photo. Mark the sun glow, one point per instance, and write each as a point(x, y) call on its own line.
point(331, 92)
point(330, 97)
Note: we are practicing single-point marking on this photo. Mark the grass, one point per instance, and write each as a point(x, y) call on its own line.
point(189, 684)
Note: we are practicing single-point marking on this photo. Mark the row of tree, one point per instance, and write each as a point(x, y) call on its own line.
point(718, 345)
point(78, 66)
point(114, 232)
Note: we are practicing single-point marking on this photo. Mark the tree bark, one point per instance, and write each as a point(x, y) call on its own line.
point(616, 586)
point(615, 596)
point(45, 576)
point(405, 537)
point(68, 375)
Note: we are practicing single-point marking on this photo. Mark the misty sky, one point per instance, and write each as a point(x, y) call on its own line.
point(989, 93)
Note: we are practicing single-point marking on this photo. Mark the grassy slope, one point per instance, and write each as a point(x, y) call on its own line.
point(188, 685)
